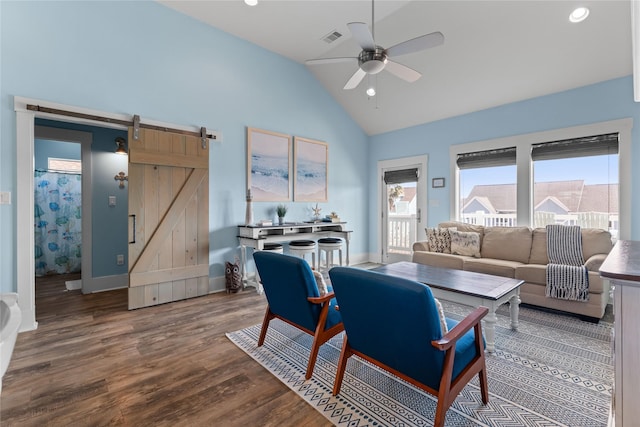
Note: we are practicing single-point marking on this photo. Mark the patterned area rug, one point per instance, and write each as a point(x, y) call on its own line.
point(554, 371)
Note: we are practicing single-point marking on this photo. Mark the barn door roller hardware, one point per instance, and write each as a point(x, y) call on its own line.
point(135, 122)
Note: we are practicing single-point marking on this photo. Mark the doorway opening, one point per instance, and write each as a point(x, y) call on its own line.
point(402, 205)
point(62, 204)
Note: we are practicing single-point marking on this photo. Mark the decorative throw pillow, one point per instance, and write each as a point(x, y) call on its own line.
point(439, 240)
point(465, 243)
point(443, 321)
point(322, 285)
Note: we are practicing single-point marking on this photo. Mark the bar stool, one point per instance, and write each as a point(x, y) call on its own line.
point(302, 247)
point(328, 245)
point(269, 247)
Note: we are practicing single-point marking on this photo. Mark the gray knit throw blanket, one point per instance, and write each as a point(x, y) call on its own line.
point(567, 277)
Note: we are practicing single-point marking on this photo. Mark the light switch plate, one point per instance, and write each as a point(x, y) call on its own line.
point(112, 200)
point(5, 197)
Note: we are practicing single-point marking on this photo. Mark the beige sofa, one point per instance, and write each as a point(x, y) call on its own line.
point(521, 253)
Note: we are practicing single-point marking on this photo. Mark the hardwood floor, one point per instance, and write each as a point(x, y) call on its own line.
point(91, 362)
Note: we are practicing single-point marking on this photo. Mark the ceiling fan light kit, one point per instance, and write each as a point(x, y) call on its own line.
point(372, 61)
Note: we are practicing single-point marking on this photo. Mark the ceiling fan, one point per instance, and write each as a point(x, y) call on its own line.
point(373, 58)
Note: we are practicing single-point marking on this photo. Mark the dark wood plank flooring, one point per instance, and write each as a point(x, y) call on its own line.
point(91, 362)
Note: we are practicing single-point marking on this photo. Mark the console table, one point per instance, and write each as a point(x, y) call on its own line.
point(622, 268)
point(253, 236)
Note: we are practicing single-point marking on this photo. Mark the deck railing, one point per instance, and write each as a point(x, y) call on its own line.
point(601, 220)
point(401, 235)
point(402, 228)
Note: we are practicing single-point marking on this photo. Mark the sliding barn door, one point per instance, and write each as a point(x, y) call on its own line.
point(168, 218)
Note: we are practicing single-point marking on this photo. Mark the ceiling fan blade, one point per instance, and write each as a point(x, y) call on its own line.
point(360, 31)
point(402, 71)
point(330, 60)
point(415, 45)
point(355, 80)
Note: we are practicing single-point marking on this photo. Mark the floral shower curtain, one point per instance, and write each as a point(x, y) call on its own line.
point(57, 225)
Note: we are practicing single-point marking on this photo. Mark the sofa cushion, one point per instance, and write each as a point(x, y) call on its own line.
point(507, 243)
point(532, 273)
point(436, 259)
point(463, 226)
point(465, 243)
point(595, 241)
point(497, 267)
point(439, 240)
point(539, 247)
point(536, 274)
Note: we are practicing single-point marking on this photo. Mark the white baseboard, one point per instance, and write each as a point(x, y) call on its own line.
point(28, 321)
point(73, 285)
point(104, 283)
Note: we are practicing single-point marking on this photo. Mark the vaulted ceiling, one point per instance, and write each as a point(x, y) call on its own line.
point(494, 53)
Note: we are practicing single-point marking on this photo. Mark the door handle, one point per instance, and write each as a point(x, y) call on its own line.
point(134, 229)
point(419, 216)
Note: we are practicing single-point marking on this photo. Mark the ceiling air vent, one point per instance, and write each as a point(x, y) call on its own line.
point(331, 37)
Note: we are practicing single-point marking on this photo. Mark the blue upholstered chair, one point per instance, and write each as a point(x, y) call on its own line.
point(293, 296)
point(394, 324)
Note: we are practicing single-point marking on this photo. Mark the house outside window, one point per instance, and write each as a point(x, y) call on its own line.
point(487, 183)
point(576, 182)
point(574, 176)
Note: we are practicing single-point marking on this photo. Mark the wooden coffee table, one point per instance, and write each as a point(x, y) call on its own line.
point(465, 287)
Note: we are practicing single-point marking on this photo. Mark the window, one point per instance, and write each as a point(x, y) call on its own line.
point(576, 182)
point(579, 175)
point(64, 165)
point(487, 187)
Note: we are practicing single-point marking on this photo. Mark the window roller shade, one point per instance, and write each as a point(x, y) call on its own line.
point(599, 145)
point(400, 176)
point(488, 158)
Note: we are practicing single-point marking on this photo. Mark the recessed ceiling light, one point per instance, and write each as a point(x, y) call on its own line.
point(371, 91)
point(579, 14)
point(251, 2)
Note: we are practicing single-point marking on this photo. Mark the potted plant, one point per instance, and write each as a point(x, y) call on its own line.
point(281, 211)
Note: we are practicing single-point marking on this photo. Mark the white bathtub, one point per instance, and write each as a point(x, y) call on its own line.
point(10, 318)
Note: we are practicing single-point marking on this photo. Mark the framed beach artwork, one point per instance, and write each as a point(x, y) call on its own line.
point(311, 160)
point(268, 165)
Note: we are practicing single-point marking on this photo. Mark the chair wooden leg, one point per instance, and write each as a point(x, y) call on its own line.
point(484, 385)
point(265, 325)
point(342, 365)
point(441, 415)
point(319, 337)
point(315, 347)
point(482, 375)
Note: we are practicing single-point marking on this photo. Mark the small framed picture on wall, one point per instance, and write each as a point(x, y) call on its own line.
point(310, 168)
point(268, 165)
point(437, 183)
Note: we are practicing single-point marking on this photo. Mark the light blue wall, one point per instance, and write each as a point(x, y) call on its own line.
point(601, 102)
point(143, 58)
point(165, 66)
point(43, 149)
